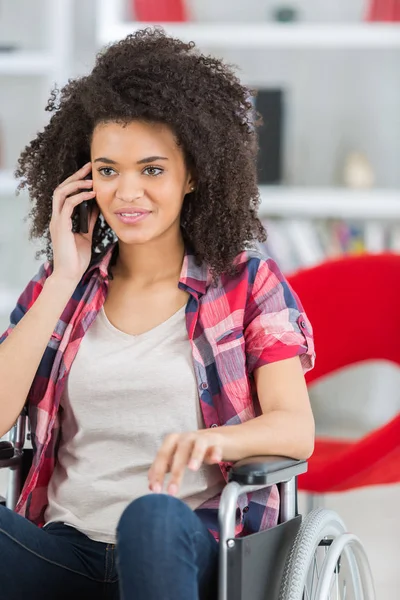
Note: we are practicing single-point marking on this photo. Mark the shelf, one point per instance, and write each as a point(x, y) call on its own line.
point(8, 183)
point(248, 35)
point(310, 202)
point(26, 63)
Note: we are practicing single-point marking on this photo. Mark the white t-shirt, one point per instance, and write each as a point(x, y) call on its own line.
point(124, 394)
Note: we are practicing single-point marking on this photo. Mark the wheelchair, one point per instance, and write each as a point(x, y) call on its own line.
point(314, 558)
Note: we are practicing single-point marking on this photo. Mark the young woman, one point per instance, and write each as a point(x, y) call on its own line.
point(154, 350)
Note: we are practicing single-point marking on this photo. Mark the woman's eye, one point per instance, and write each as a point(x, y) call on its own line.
point(153, 169)
point(103, 169)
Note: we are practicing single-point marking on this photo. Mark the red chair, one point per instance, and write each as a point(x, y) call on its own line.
point(353, 305)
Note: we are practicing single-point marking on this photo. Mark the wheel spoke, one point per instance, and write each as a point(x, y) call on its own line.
point(332, 586)
point(338, 587)
point(336, 576)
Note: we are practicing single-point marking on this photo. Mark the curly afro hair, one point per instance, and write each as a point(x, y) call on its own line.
point(152, 77)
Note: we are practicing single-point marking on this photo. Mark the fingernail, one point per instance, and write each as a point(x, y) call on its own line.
point(173, 489)
point(194, 464)
point(156, 488)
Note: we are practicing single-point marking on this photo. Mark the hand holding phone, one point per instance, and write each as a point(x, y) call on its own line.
point(72, 251)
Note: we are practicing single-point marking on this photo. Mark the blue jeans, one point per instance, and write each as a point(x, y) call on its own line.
point(163, 551)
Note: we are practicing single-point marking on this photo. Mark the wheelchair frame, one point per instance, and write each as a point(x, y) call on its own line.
point(252, 567)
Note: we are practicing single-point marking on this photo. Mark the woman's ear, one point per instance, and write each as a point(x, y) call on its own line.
point(191, 186)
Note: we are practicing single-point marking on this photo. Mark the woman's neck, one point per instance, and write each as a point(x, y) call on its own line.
point(145, 264)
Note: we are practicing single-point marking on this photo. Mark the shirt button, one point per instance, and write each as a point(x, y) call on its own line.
point(204, 386)
point(303, 323)
point(214, 425)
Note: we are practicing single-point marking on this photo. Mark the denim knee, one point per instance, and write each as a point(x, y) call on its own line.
point(153, 512)
point(164, 550)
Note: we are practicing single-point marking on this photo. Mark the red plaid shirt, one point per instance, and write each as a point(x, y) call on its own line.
point(247, 321)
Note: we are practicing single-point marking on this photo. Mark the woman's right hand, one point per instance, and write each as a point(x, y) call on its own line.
point(72, 251)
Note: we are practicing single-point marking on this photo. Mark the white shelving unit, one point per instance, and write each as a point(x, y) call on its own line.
point(52, 63)
point(340, 203)
point(27, 63)
point(112, 26)
point(271, 36)
point(54, 59)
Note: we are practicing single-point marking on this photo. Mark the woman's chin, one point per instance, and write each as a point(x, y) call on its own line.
point(142, 233)
point(134, 237)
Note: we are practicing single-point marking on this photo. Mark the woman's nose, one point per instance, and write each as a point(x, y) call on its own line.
point(129, 190)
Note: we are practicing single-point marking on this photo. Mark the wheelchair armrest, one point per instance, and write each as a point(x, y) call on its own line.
point(266, 470)
point(11, 451)
point(6, 450)
point(9, 455)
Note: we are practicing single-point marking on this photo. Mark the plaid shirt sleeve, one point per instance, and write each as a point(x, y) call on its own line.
point(28, 298)
point(276, 326)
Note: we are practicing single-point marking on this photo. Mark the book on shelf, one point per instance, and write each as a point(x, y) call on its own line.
point(301, 243)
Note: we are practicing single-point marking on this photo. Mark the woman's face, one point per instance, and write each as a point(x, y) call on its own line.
point(139, 170)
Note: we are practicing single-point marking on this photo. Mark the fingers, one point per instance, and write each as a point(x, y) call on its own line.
point(70, 204)
point(180, 461)
point(162, 463)
point(64, 192)
point(80, 174)
point(213, 455)
point(178, 452)
point(198, 453)
point(70, 186)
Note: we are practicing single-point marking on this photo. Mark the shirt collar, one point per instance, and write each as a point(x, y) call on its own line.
point(194, 278)
point(101, 262)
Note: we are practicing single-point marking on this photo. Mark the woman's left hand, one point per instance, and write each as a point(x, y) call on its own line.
point(181, 450)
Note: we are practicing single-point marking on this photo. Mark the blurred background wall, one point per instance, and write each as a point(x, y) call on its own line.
point(336, 145)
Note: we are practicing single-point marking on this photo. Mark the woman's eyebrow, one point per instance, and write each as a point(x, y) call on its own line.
point(151, 159)
point(109, 161)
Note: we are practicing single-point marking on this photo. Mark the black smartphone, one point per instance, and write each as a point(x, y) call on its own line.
point(83, 212)
point(84, 217)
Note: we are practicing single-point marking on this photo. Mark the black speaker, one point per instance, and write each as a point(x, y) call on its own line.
point(269, 103)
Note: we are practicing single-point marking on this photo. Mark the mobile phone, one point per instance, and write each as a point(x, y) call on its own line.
point(83, 212)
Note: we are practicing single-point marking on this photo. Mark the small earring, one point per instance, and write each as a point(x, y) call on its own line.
point(192, 189)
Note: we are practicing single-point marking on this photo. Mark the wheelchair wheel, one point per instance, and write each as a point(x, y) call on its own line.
point(326, 562)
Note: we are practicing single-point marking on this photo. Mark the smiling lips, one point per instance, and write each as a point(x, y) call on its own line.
point(132, 215)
